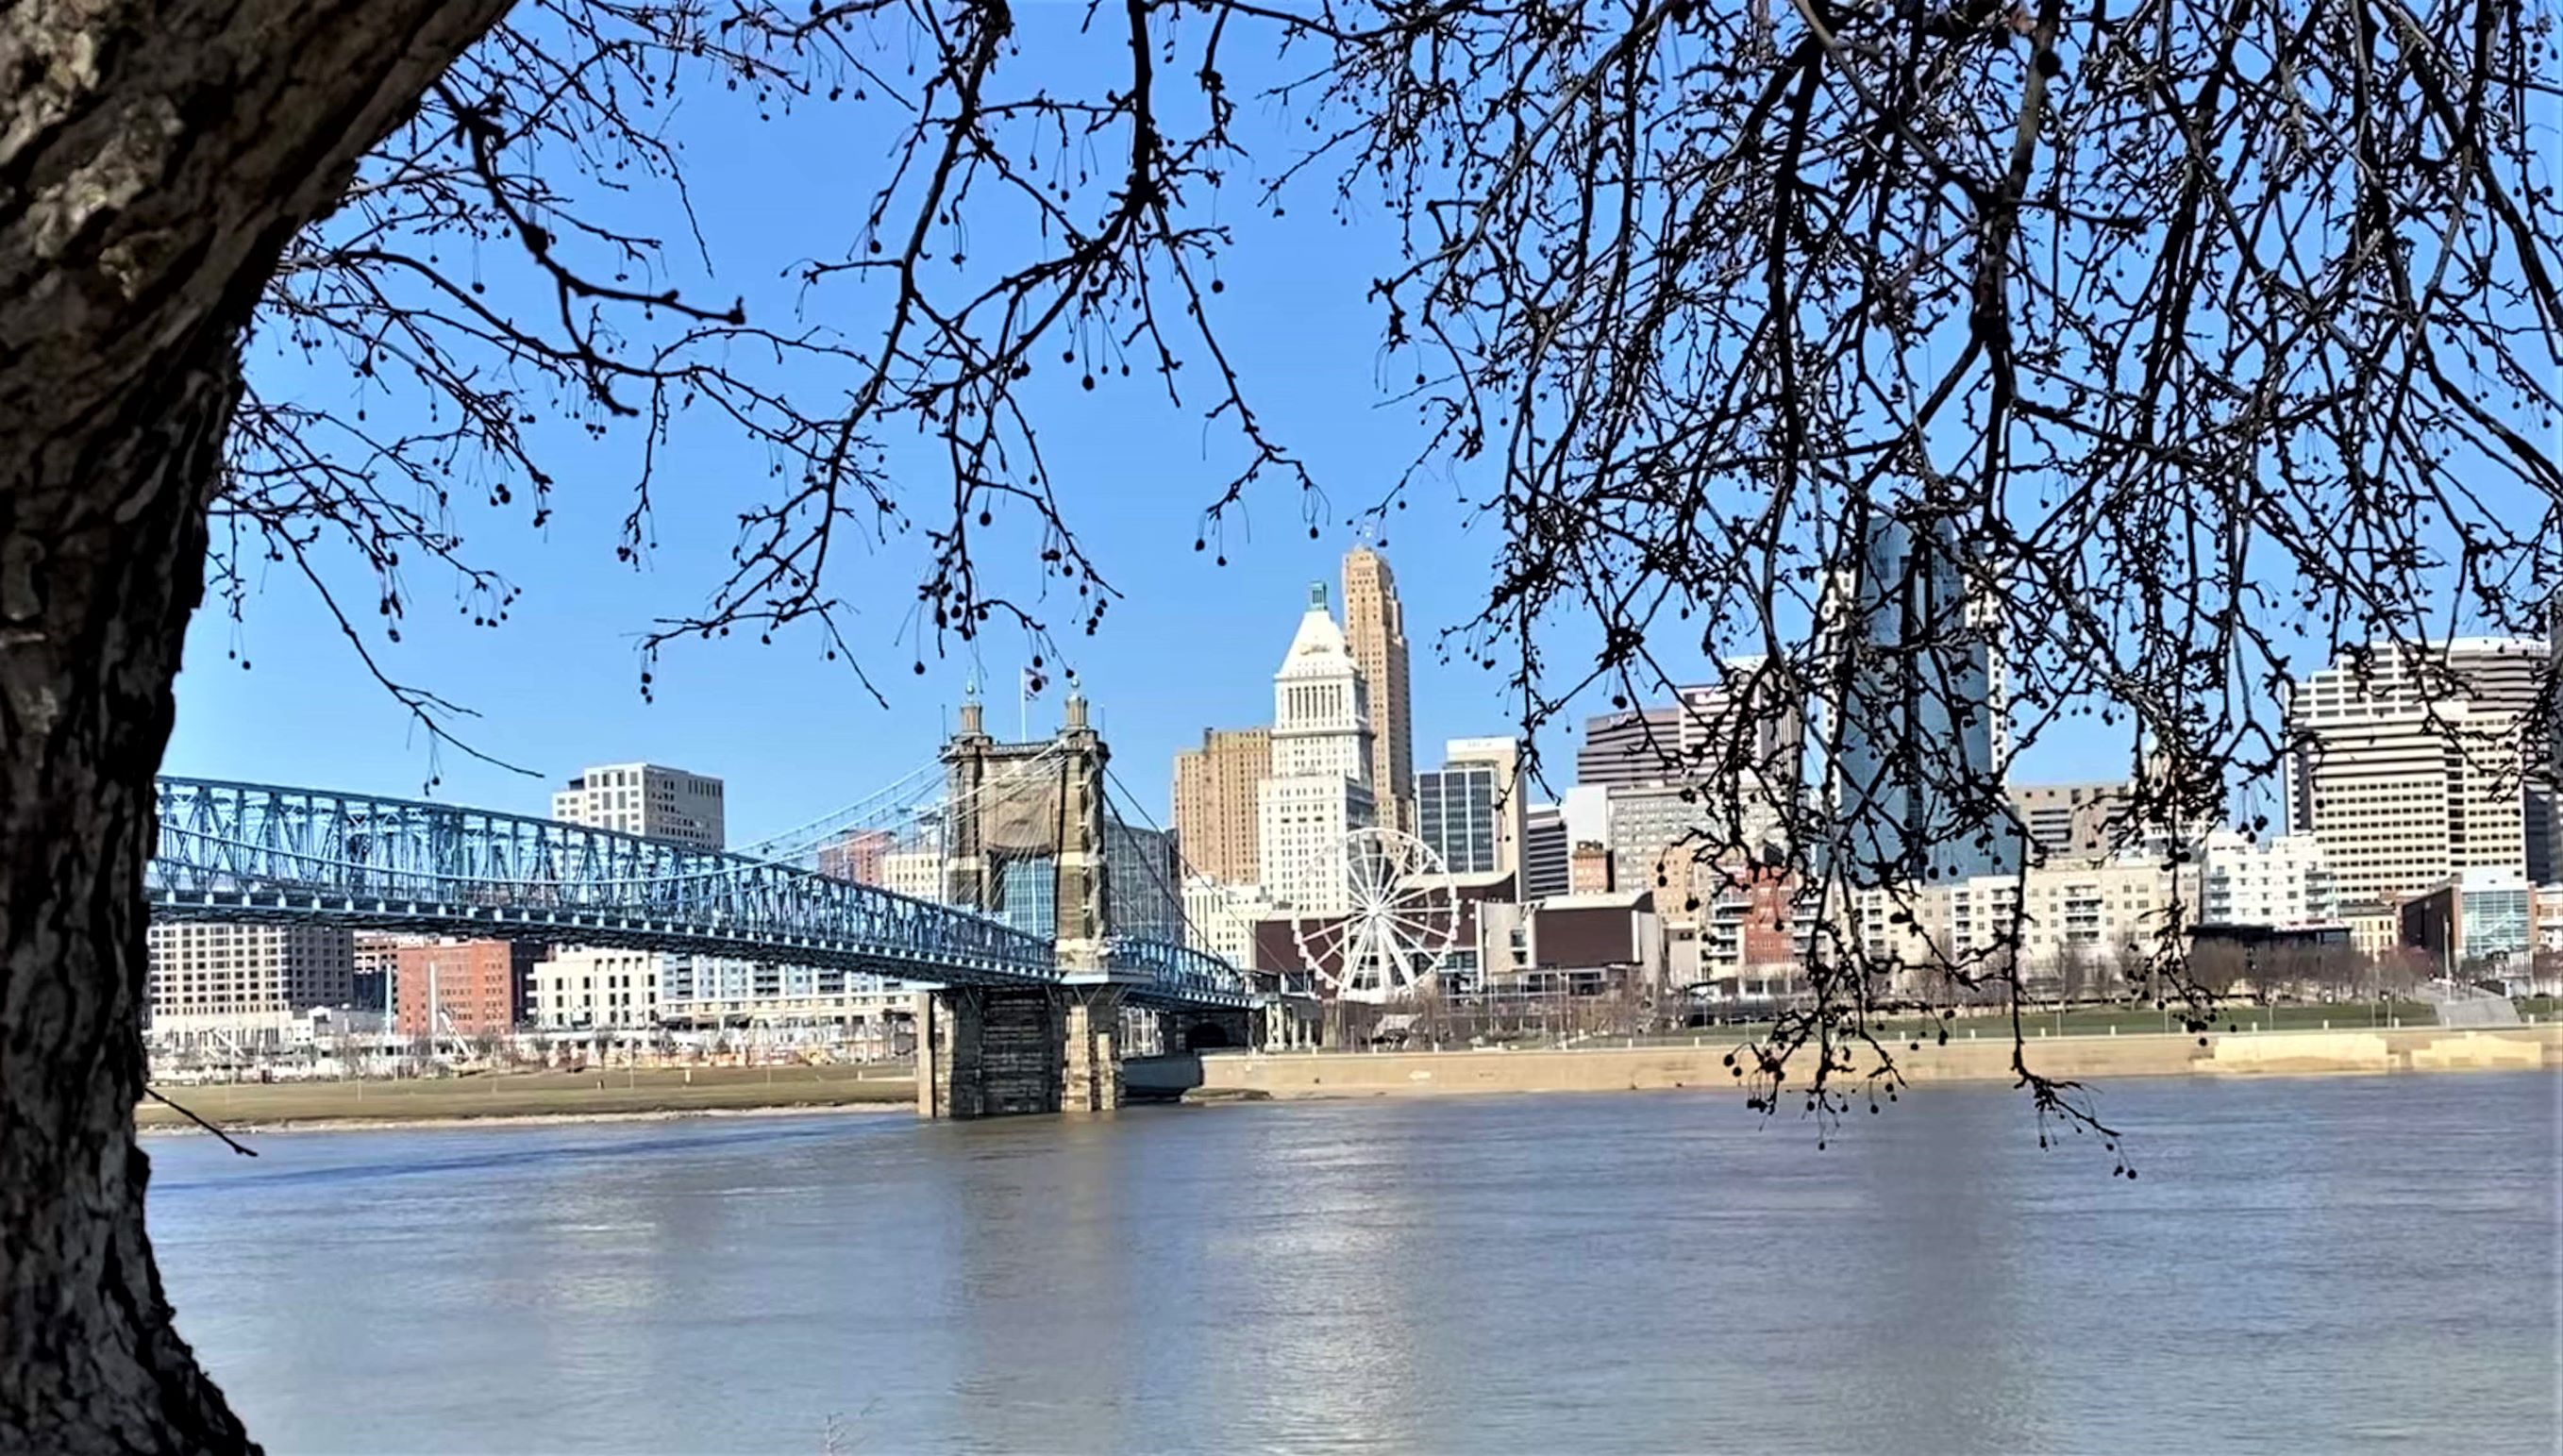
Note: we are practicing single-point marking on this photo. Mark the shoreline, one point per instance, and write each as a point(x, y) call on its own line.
point(549, 1100)
point(180, 1128)
point(2090, 1060)
point(522, 1098)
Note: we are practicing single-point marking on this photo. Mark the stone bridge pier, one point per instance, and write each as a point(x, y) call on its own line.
point(984, 1052)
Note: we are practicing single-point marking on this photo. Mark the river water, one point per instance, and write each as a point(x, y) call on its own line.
point(2303, 1265)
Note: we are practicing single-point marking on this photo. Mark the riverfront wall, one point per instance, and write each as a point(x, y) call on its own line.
point(1987, 1059)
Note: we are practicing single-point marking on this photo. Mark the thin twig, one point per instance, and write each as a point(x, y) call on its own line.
point(162, 1098)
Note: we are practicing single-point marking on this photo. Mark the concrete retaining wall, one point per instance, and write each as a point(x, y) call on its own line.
point(1616, 1068)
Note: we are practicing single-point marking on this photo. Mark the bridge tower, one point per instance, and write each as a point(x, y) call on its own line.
point(1090, 1015)
point(1026, 825)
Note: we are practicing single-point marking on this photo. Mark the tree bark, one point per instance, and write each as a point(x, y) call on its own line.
point(155, 158)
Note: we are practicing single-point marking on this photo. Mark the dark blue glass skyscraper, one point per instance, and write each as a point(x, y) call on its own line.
point(1916, 789)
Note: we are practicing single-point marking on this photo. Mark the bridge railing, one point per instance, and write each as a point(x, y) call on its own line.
point(237, 839)
point(1178, 967)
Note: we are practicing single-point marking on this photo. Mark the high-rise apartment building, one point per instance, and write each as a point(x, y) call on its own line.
point(2074, 821)
point(1375, 628)
point(377, 963)
point(1640, 745)
point(244, 983)
point(2087, 923)
point(704, 991)
point(1320, 789)
point(1216, 791)
point(2421, 766)
point(2283, 881)
point(1543, 866)
point(589, 988)
point(1915, 783)
point(1471, 810)
point(1220, 917)
point(646, 799)
point(1745, 731)
point(1647, 820)
point(1747, 921)
point(918, 874)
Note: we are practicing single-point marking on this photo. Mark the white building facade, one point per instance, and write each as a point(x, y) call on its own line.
point(648, 799)
point(1220, 917)
point(585, 987)
point(2079, 920)
point(589, 988)
point(1320, 787)
point(2414, 767)
point(2280, 882)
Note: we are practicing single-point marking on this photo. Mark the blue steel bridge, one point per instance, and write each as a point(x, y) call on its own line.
point(246, 852)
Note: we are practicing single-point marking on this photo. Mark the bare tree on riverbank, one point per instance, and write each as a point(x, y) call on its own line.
point(2202, 325)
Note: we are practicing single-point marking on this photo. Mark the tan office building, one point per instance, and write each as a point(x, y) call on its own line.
point(1375, 629)
point(1216, 788)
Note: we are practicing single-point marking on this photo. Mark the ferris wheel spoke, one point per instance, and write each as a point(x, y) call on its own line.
point(1400, 918)
point(1424, 940)
point(1322, 946)
point(1422, 908)
point(1423, 920)
point(1372, 875)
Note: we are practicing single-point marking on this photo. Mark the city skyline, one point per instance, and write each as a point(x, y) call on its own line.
point(190, 754)
point(321, 720)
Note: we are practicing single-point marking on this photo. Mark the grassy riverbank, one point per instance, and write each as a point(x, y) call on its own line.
point(648, 1092)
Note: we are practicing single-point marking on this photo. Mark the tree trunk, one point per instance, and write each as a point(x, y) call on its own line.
point(94, 612)
point(155, 157)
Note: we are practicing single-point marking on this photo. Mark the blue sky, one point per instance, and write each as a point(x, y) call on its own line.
point(1193, 645)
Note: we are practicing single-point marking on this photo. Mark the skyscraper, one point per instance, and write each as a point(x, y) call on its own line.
point(587, 987)
point(1471, 810)
point(2423, 767)
point(1916, 784)
point(2074, 821)
point(1375, 628)
point(1216, 786)
point(1320, 789)
point(1543, 867)
point(1742, 733)
point(646, 799)
point(1630, 748)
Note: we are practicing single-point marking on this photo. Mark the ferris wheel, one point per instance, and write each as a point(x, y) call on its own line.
point(1399, 919)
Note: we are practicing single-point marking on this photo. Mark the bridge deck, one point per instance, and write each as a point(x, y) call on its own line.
point(260, 852)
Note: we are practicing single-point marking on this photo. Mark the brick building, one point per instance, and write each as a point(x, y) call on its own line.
point(479, 987)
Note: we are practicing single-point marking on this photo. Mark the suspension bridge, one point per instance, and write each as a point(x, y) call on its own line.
point(1028, 910)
